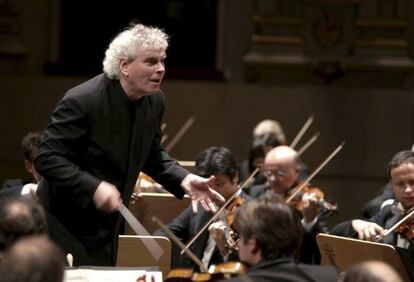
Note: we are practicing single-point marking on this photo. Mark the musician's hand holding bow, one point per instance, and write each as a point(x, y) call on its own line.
point(217, 231)
point(311, 207)
point(199, 189)
point(366, 230)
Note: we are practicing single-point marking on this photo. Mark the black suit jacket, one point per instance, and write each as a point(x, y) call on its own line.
point(284, 269)
point(98, 134)
point(258, 190)
point(373, 206)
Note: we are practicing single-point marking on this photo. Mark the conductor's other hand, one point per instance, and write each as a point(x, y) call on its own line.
point(199, 190)
point(107, 198)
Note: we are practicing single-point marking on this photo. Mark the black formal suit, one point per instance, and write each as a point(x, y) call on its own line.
point(309, 251)
point(385, 218)
point(258, 190)
point(373, 206)
point(284, 269)
point(98, 134)
point(185, 226)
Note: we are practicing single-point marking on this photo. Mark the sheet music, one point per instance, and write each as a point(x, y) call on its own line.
point(116, 275)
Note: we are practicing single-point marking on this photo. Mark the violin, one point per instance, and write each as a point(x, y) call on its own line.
point(298, 202)
point(406, 228)
point(217, 272)
point(297, 192)
point(232, 208)
point(232, 236)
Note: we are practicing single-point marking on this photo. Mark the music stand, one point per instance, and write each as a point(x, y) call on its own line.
point(162, 205)
point(343, 253)
point(133, 253)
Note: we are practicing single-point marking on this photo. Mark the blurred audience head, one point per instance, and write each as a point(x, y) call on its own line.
point(371, 271)
point(20, 217)
point(33, 259)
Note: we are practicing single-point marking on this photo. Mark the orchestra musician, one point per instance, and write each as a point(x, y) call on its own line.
point(211, 246)
point(259, 147)
point(270, 235)
point(282, 170)
point(401, 174)
point(18, 187)
point(103, 132)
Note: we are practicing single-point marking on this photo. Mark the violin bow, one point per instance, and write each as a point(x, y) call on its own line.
point(163, 138)
point(308, 144)
point(164, 135)
point(153, 247)
point(180, 134)
point(310, 177)
point(179, 243)
point(221, 209)
point(392, 228)
point(301, 132)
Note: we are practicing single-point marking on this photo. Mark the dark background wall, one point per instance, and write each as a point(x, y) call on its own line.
point(370, 108)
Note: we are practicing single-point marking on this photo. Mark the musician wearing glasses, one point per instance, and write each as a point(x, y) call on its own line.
point(282, 169)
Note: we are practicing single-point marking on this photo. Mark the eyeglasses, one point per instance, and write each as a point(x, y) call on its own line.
point(275, 173)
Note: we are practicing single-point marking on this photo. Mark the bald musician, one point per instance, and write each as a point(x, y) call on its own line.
point(282, 169)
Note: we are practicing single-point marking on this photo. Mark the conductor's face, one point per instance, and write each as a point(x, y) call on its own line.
point(144, 74)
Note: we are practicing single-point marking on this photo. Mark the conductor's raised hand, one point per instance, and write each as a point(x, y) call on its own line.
point(199, 189)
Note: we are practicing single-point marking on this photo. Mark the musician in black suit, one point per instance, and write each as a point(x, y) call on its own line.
point(102, 134)
point(17, 187)
point(401, 174)
point(270, 232)
point(211, 247)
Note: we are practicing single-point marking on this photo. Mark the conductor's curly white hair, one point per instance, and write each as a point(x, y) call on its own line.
point(127, 45)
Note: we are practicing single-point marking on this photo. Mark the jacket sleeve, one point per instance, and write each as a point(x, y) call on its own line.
point(159, 164)
point(58, 156)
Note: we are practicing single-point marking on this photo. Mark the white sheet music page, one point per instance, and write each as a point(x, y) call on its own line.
point(100, 275)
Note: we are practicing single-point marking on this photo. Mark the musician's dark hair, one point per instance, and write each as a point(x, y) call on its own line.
point(402, 157)
point(258, 146)
point(30, 143)
point(215, 160)
point(275, 225)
